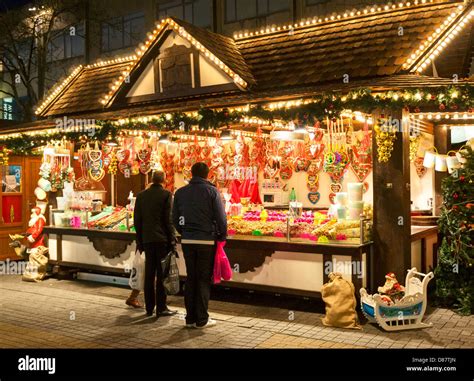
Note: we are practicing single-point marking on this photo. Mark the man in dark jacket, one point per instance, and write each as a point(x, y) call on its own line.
point(156, 236)
point(199, 216)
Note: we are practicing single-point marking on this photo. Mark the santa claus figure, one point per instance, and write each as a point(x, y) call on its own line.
point(34, 234)
point(391, 285)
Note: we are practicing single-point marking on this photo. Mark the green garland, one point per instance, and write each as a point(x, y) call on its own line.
point(449, 98)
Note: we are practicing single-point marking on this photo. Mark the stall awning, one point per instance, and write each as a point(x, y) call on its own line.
point(384, 47)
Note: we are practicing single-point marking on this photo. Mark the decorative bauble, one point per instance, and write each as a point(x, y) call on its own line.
point(442, 107)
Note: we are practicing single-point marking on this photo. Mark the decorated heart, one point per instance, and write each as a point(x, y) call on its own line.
point(313, 187)
point(335, 187)
point(332, 198)
point(106, 160)
point(95, 155)
point(145, 167)
point(96, 174)
point(144, 154)
point(286, 173)
point(366, 186)
point(124, 166)
point(314, 197)
point(123, 155)
point(419, 167)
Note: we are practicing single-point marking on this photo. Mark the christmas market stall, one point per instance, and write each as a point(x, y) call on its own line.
point(327, 138)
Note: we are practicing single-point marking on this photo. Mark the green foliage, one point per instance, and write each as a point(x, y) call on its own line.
point(324, 105)
point(454, 273)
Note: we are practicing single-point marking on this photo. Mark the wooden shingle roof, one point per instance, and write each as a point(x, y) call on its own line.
point(361, 47)
point(366, 50)
point(85, 90)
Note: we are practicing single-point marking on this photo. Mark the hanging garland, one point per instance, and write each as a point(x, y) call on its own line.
point(448, 98)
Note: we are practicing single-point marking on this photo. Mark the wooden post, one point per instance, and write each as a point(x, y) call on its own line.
point(442, 142)
point(391, 189)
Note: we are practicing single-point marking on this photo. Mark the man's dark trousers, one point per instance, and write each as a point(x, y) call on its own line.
point(154, 292)
point(199, 270)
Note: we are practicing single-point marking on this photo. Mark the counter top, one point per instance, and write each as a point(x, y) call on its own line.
point(419, 232)
point(236, 240)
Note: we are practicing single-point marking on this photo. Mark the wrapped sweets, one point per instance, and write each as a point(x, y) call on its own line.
point(356, 208)
point(355, 191)
point(341, 212)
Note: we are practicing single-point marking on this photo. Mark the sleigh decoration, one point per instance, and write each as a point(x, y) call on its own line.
point(406, 313)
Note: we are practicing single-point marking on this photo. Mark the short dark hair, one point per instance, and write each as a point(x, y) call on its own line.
point(200, 170)
point(158, 177)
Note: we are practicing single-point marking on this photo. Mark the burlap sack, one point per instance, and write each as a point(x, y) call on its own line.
point(36, 269)
point(338, 294)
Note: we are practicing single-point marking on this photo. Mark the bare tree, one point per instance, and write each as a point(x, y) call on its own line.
point(26, 35)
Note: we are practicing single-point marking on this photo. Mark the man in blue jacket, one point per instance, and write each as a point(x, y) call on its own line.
point(199, 216)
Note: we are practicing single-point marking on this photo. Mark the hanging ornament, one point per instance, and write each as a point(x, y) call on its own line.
point(419, 167)
point(384, 137)
point(414, 145)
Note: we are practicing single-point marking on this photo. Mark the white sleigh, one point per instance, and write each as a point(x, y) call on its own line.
point(407, 313)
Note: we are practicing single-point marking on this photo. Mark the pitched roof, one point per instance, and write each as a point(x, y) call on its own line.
point(365, 46)
point(84, 91)
point(371, 48)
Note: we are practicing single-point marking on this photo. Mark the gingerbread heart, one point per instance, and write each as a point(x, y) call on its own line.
point(335, 187)
point(145, 167)
point(144, 154)
point(314, 197)
point(95, 155)
point(332, 198)
point(124, 166)
point(419, 167)
point(123, 155)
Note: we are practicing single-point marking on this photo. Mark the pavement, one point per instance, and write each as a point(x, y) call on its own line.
point(79, 314)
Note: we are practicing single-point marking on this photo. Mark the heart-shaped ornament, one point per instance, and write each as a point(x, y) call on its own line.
point(144, 154)
point(335, 187)
point(419, 167)
point(145, 167)
point(124, 166)
point(332, 198)
point(95, 155)
point(123, 155)
point(314, 197)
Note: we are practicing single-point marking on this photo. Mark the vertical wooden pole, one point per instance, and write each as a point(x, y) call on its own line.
point(442, 141)
point(391, 189)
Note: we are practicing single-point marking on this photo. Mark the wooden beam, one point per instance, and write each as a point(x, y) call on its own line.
point(442, 141)
point(392, 248)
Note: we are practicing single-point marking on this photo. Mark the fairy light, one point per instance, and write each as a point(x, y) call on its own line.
point(57, 90)
point(437, 42)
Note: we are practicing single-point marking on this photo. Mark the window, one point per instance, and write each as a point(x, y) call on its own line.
point(236, 10)
point(123, 32)
point(197, 12)
point(67, 44)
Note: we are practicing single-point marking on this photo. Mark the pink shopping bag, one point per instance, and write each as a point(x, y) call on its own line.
point(222, 269)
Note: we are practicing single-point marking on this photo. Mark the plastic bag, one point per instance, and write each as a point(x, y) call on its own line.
point(222, 269)
point(170, 269)
point(137, 276)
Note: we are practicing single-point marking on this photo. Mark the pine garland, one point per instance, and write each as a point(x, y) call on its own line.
point(449, 98)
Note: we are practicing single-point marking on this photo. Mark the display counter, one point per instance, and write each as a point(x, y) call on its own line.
point(268, 264)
